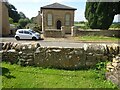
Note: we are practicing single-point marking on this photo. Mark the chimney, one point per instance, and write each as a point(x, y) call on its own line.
point(38, 12)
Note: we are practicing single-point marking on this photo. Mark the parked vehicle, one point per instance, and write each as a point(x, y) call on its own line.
point(27, 34)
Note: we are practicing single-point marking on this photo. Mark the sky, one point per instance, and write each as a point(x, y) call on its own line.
point(31, 7)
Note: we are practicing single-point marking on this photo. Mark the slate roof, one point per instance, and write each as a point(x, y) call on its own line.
point(58, 6)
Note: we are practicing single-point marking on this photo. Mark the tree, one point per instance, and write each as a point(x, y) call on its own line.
point(22, 15)
point(13, 13)
point(24, 22)
point(100, 15)
point(10, 20)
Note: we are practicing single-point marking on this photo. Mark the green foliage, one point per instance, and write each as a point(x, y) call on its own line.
point(101, 65)
point(22, 15)
point(16, 24)
point(10, 20)
point(23, 22)
point(37, 28)
point(100, 15)
point(115, 25)
point(34, 27)
point(13, 13)
point(82, 25)
point(96, 38)
point(79, 22)
point(101, 69)
point(37, 77)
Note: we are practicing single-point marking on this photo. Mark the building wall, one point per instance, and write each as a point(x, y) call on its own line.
point(0, 18)
point(57, 15)
point(38, 19)
point(4, 20)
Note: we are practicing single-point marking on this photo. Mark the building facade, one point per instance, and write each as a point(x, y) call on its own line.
point(0, 18)
point(38, 19)
point(4, 19)
point(56, 15)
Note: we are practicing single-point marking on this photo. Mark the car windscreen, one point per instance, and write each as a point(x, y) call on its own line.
point(32, 31)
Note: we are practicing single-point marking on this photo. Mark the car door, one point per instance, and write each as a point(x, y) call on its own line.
point(27, 35)
point(20, 34)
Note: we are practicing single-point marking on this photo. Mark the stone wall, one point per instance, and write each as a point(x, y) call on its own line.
point(58, 57)
point(75, 32)
point(113, 70)
point(54, 33)
point(109, 33)
point(64, 58)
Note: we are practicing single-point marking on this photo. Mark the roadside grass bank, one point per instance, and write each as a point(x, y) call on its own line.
point(96, 38)
point(15, 76)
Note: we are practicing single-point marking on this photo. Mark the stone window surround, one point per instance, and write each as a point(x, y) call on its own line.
point(69, 19)
point(47, 18)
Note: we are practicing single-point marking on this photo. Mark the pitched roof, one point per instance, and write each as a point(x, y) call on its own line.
point(58, 6)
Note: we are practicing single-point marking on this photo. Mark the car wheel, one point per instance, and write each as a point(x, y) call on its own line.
point(17, 38)
point(34, 38)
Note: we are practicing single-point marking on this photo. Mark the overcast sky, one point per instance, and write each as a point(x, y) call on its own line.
point(31, 7)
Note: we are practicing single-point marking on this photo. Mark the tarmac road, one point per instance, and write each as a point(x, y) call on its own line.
point(59, 42)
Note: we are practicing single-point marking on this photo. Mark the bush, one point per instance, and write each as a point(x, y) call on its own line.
point(23, 22)
point(117, 25)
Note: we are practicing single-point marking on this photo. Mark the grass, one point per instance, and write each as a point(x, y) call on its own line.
point(96, 38)
point(15, 76)
point(79, 24)
point(82, 26)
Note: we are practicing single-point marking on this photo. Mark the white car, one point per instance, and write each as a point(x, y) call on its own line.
point(27, 34)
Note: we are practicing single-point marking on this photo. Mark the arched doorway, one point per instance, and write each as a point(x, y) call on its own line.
point(58, 24)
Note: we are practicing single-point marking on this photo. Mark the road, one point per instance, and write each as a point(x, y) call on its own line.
point(56, 42)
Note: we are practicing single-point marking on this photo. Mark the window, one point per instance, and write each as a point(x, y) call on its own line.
point(67, 19)
point(49, 19)
point(20, 31)
point(26, 32)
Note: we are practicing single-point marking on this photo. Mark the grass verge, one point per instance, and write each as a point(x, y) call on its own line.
point(15, 76)
point(96, 38)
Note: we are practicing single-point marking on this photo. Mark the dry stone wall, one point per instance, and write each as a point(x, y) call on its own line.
point(58, 57)
point(54, 33)
point(95, 32)
point(113, 70)
point(65, 58)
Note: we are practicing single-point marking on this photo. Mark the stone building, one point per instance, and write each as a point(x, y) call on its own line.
point(4, 19)
point(56, 15)
point(0, 18)
point(38, 19)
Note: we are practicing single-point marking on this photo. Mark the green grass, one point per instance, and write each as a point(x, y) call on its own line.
point(96, 38)
point(82, 26)
point(36, 77)
point(79, 24)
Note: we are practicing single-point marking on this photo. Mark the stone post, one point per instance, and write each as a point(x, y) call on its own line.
point(63, 31)
point(73, 31)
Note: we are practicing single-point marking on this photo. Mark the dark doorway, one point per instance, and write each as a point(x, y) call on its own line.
point(58, 24)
